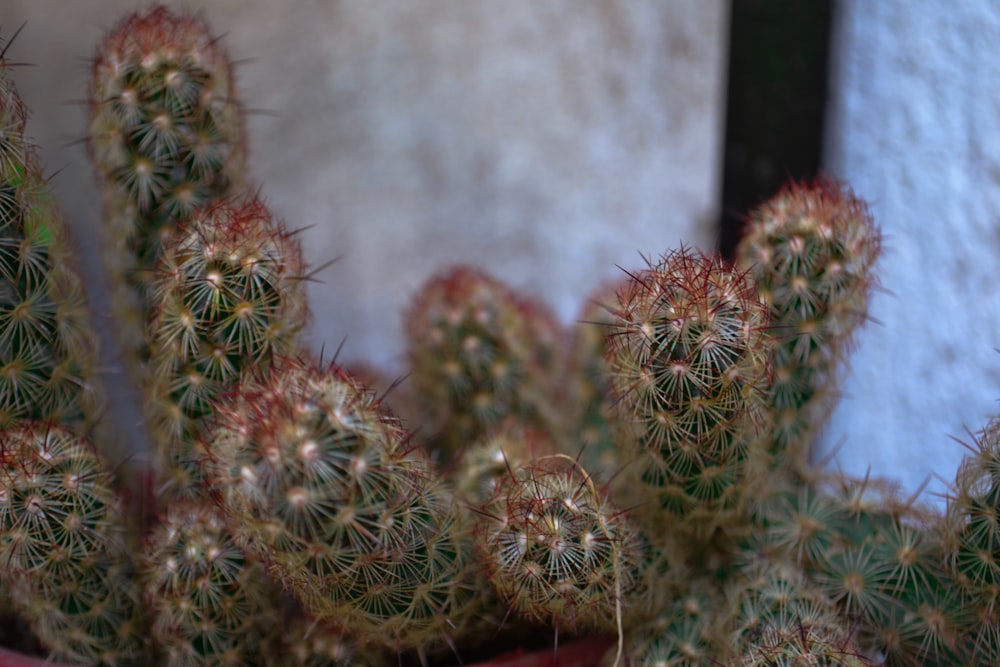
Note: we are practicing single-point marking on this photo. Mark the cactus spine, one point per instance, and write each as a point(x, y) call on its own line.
point(166, 137)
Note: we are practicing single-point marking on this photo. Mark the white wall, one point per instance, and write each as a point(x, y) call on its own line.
point(915, 128)
point(548, 141)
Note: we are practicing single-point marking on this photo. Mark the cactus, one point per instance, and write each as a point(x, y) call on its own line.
point(688, 354)
point(301, 523)
point(64, 546)
point(972, 534)
point(480, 353)
point(555, 549)
point(228, 297)
point(323, 484)
point(811, 249)
point(166, 138)
point(46, 346)
point(210, 603)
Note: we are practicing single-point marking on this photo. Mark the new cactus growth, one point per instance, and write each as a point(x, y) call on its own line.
point(166, 138)
point(46, 348)
point(811, 250)
point(228, 296)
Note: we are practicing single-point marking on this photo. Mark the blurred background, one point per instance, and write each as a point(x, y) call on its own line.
point(554, 141)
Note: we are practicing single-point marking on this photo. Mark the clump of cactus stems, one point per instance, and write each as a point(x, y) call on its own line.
point(647, 479)
point(166, 138)
point(811, 250)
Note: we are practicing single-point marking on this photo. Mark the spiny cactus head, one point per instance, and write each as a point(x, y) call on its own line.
point(324, 484)
point(227, 292)
point(479, 353)
point(555, 549)
point(166, 128)
point(63, 542)
point(811, 249)
point(689, 359)
point(688, 353)
point(210, 602)
point(56, 497)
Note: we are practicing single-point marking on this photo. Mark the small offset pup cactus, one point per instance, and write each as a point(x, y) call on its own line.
point(555, 549)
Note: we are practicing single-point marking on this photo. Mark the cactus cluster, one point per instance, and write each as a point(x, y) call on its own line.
point(643, 477)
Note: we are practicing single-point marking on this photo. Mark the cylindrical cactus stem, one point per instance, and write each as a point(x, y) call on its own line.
point(688, 352)
point(326, 486)
point(972, 536)
point(210, 603)
point(811, 250)
point(556, 550)
point(227, 296)
point(478, 354)
point(47, 350)
point(776, 616)
point(64, 550)
point(166, 137)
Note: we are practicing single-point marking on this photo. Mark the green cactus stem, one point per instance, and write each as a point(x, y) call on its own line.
point(64, 548)
point(166, 138)
point(47, 350)
point(811, 249)
point(324, 485)
point(227, 296)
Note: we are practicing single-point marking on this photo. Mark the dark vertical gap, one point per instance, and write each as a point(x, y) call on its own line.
point(778, 55)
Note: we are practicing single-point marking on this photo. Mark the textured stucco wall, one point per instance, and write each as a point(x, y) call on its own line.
point(915, 127)
point(547, 141)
